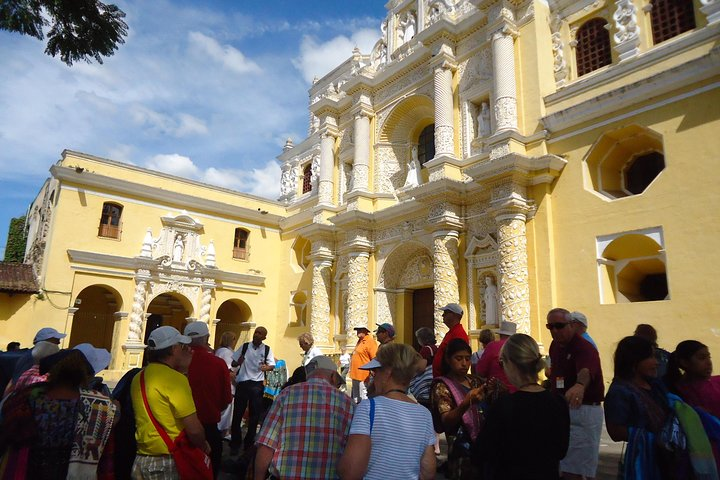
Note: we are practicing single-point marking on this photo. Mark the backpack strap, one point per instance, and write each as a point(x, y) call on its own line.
point(267, 352)
point(244, 349)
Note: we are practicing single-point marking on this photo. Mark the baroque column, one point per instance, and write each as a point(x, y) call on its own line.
point(627, 30)
point(137, 316)
point(445, 275)
point(513, 270)
point(327, 163)
point(361, 160)
point(322, 262)
point(504, 85)
point(205, 300)
point(357, 294)
point(444, 129)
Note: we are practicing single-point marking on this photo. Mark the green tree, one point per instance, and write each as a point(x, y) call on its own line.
point(17, 237)
point(79, 29)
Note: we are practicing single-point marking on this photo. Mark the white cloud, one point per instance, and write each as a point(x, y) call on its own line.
point(227, 55)
point(174, 164)
point(121, 153)
point(263, 182)
point(180, 125)
point(190, 125)
point(317, 59)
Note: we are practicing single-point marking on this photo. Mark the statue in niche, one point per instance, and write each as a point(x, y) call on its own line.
point(483, 121)
point(413, 178)
point(407, 26)
point(490, 298)
point(178, 248)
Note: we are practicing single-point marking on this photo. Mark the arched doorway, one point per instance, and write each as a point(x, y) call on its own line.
point(94, 321)
point(406, 296)
point(170, 309)
point(231, 314)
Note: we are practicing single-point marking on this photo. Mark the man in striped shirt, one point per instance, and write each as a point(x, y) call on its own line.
point(307, 426)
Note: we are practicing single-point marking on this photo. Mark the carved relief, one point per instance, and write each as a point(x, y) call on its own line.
point(513, 271)
point(418, 271)
point(505, 113)
point(559, 65)
point(357, 294)
point(137, 315)
point(389, 173)
point(445, 256)
point(320, 302)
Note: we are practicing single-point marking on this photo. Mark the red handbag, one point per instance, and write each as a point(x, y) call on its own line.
point(191, 462)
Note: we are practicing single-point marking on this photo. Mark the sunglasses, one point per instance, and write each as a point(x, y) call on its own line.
point(556, 326)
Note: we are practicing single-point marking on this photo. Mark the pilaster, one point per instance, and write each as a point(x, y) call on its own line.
point(445, 274)
point(627, 30)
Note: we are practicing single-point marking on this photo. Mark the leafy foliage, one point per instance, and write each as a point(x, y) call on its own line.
point(79, 29)
point(17, 237)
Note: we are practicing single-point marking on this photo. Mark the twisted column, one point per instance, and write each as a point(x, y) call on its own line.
point(327, 162)
point(357, 294)
point(445, 278)
point(444, 130)
point(205, 304)
point(513, 270)
point(504, 80)
point(137, 316)
point(320, 301)
point(361, 167)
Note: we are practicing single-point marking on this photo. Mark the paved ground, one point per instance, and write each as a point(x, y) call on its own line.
point(607, 470)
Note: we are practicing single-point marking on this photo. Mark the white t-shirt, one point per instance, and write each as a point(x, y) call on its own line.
point(345, 360)
point(310, 354)
point(250, 368)
point(401, 431)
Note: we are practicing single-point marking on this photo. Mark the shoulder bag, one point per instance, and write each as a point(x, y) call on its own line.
point(191, 462)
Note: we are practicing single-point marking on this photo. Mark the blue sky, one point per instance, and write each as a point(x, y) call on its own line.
point(208, 90)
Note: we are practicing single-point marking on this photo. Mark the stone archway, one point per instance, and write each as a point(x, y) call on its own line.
point(169, 308)
point(231, 315)
point(406, 270)
point(94, 320)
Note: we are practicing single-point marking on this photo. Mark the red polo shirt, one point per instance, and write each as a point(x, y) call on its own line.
point(568, 360)
point(489, 365)
point(209, 379)
point(458, 331)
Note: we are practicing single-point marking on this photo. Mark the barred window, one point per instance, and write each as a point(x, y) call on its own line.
point(110, 220)
point(593, 49)
point(426, 144)
point(240, 243)
point(670, 18)
point(307, 179)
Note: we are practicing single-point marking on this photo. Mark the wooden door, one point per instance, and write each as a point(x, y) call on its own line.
point(423, 311)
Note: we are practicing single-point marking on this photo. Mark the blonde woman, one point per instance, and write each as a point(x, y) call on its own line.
point(526, 433)
point(225, 351)
point(391, 435)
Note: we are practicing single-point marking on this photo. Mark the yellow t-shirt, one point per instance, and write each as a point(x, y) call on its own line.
point(170, 400)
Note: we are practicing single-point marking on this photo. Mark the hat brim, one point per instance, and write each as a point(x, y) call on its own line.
point(371, 365)
point(362, 328)
point(505, 332)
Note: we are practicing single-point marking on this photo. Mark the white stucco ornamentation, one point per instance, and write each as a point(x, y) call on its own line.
point(444, 130)
point(320, 301)
point(388, 171)
point(627, 34)
point(505, 107)
point(513, 271)
point(361, 153)
point(205, 301)
point(137, 316)
point(559, 64)
point(445, 275)
point(357, 294)
point(327, 163)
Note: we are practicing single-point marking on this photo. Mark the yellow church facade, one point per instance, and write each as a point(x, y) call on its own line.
point(511, 156)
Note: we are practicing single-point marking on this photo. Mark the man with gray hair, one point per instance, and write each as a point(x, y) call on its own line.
point(576, 374)
point(209, 380)
point(318, 410)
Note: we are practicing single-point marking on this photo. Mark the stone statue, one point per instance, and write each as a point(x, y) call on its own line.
point(408, 27)
point(483, 121)
point(491, 302)
point(378, 56)
point(178, 248)
point(413, 178)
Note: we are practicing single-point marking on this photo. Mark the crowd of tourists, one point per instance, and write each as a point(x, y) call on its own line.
point(507, 411)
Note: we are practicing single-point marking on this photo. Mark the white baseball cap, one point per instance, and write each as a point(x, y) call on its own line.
point(98, 358)
point(453, 307)
point(579, 317)
point(196, 329)
point(163, 337)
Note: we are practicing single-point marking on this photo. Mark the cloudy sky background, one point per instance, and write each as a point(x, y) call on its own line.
point(206, 90)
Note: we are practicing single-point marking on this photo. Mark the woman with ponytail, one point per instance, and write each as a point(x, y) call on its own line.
point(689, 374)
point(526, 433)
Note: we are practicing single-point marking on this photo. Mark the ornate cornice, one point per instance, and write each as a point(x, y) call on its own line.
point(520, 168)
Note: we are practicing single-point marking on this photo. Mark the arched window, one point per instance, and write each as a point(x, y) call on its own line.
point(110, 220)
point(240, 245)
point(670, 18)
point(593, 49)
point(426, 144)
point(307, 179)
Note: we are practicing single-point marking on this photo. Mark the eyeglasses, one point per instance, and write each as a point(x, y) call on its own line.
point(556, 326)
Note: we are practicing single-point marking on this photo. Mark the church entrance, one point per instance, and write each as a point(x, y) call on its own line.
point(422, 311)
point(94, 321)
point(167, 309)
